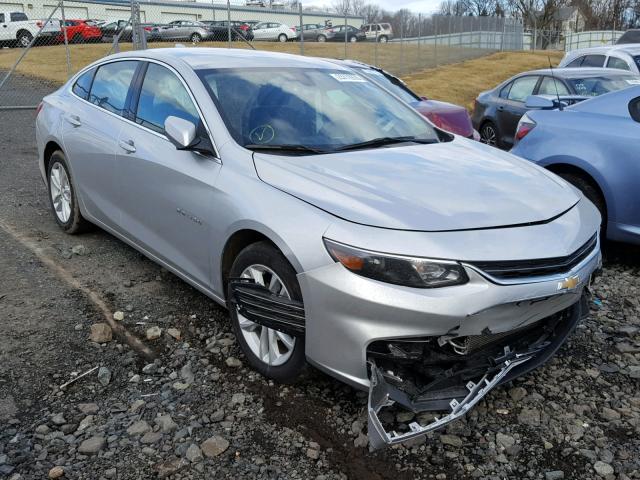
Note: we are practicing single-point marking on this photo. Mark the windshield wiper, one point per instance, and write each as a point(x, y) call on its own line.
point(284, 148)
point(382, 141)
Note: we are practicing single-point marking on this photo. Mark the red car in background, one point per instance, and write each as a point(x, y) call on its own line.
point(447, 116)
point(80, 31)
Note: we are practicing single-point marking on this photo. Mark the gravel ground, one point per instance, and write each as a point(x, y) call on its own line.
point(189, 408)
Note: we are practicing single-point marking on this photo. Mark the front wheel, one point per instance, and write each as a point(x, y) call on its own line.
point(62, 195)
point(24, 39)
point(383, 39)
point(353, 39)
point(195, 38)
point(489, 134)
point(282, 38)
point(274, 354)
point(322, 38)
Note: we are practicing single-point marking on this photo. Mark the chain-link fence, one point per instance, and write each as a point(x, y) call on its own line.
point(44, 42)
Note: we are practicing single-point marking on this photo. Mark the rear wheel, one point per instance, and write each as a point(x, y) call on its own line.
point(383, 39)
point(592, 193)
point(353, 39)
point(24, 39)
point(274, 354)
point(322, 38)
point(195, 38)
point(62, 196)
point(282, 38)
point(489, 134)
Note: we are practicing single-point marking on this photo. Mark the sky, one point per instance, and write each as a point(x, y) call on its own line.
point(418, 6)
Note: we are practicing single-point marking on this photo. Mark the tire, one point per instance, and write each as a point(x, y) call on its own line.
point(195, 38)
point(321, 38)
point(383, 39)
point(592, 193)
point(77, 38)
point(489, 134)
point(353, 39)
point(24, 39)
point(263, 255)
point(70, 219)
point(282, 38)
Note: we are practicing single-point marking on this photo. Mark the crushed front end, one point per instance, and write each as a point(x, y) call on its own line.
point(452, 374)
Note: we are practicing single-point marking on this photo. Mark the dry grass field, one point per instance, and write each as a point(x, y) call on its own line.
point(462, 73)
point(460, 83)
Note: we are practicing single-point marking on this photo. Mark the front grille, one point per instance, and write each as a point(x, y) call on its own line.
point(507, 270)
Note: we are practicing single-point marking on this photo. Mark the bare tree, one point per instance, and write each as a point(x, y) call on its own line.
point(371, 12)
point(342, 7)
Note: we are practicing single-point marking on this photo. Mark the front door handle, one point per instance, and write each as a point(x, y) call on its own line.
point(74, 120)
point(501, 108)
point(127, 145)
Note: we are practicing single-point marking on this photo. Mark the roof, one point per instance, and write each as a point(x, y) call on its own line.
point(582, 72)
point(200, 58)
point(630, 48)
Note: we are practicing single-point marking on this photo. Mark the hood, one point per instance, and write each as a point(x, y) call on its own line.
point(456, 185)
point(447, 116)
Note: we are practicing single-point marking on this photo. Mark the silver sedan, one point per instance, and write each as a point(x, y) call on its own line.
point(335, 223)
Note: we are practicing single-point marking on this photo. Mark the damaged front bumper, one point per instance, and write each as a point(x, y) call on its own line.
point(457, 387)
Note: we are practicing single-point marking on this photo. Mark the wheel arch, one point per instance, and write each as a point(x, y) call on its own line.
point(23, 30)
point(593, 179)
point(50, 147)
point(242, 238)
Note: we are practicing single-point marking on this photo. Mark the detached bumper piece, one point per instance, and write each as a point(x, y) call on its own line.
point(379, 397)
point(256, 303)
point(432, 374)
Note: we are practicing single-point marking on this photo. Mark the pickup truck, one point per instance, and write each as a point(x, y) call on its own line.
point(17, 29)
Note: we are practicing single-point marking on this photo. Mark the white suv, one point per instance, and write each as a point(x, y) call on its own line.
point(382, 32)
point(16, 28)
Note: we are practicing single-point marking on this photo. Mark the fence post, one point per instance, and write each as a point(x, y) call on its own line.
point(229, 23)
point(504, 26)
point(375, 48)
point(213, 10)
point(435, 45)
point(346, 37)
point(301, 39)
point(66, 38)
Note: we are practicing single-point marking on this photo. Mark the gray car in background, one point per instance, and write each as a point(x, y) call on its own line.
point(337, 225)
point(180, 30)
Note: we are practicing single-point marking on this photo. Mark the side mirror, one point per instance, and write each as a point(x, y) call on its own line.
point(182, 133)
point(424, 98)
point(537, 101)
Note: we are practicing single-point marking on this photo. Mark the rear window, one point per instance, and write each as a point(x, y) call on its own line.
point(18, 17)
point(634, 109)
point(594, 86)
point(630, 36)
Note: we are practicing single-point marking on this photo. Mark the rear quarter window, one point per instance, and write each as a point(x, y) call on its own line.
point(83, 84)
point(593, 61)
point(575, 63)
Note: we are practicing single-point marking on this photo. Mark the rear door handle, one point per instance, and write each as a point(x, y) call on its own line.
point(74, 120)
point(127, 145)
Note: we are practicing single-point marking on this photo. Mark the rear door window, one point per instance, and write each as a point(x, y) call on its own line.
point(18, 17)
point(615, 62)
point(575, 63)
point(522, 87)
point(1, 17)
point(163, 95)
point(111, 86)
point(83, 84)
point(593, 61)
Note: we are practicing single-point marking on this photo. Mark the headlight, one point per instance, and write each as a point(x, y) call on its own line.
point(397, 269)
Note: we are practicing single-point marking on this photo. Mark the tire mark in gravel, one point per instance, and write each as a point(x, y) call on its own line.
point(94, 297)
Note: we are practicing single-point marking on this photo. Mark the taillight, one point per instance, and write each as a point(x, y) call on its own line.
point(524, 127)
point(39, 108)
point(39, 24)
point(148, 29)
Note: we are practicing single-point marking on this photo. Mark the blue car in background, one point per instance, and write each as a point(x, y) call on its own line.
point(595, 145)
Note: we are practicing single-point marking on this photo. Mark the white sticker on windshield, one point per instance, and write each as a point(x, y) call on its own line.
point(633, 82)
point(348, 77)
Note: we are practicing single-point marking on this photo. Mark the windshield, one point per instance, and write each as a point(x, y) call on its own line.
point(388, 83)
point(594, 86)
point(317, 108)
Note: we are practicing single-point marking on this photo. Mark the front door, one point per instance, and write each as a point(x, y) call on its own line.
point(511, 110)
point(166, 195)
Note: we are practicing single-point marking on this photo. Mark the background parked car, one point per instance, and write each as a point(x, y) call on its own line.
point(273, 31)
point(313, 32)
point(630, 36)
point(497, 112)
point(594, 145)
point(382, 32)
point(352, 33)
point(220, 30)
point(17, 29)
point(447, 116)
point(623, 57)
point(80, 31)
point(181, 30)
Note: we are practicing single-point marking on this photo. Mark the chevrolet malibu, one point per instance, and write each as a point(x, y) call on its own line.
point(337, 225)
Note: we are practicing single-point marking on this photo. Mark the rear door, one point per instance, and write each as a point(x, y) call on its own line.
point(90, 131)
point(5, 32)
point(512, 108)
point(166, 195)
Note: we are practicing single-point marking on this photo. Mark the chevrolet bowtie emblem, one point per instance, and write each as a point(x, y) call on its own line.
point(569, 283)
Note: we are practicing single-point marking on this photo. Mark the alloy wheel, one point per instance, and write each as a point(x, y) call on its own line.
point(270, 346)
point(489, 135)
point(60, 190)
